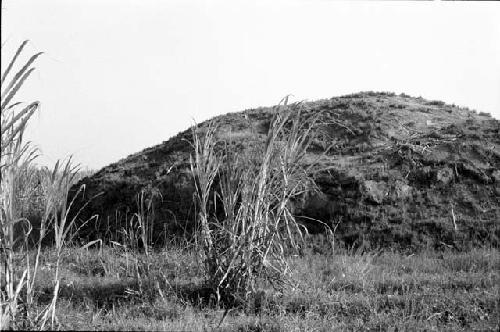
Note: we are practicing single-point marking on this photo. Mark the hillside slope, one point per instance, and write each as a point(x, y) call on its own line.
point(401, 172)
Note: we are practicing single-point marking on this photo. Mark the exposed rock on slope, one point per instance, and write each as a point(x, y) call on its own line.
point(402, 171)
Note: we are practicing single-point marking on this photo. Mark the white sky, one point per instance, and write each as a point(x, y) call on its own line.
point(119, 76)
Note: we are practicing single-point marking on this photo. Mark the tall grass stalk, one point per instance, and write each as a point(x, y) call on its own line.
point(145, 216)
point(58, 207)
point(205, 164)
point(257, 227)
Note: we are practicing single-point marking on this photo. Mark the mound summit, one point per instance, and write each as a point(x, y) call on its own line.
point(400, 172)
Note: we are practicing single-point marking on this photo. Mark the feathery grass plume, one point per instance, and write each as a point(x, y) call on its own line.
point(257, 226)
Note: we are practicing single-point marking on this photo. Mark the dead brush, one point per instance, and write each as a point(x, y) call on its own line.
point(257, 229)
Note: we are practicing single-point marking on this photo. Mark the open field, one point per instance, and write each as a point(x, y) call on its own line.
point(114, 289)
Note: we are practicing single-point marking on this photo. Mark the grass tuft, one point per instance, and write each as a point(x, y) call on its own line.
point(251, 236)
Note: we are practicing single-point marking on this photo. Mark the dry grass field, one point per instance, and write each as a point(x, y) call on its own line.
point(112, 289)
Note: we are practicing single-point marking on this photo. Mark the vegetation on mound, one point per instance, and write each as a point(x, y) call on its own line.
point(399, 172)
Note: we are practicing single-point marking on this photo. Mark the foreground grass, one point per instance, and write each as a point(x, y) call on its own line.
point(113, 289)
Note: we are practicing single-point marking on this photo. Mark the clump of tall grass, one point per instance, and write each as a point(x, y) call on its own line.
point(15, 157)
point(16, 160)
point(257, 228)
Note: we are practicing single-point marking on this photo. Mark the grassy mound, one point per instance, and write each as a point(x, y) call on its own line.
point(396, 171)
